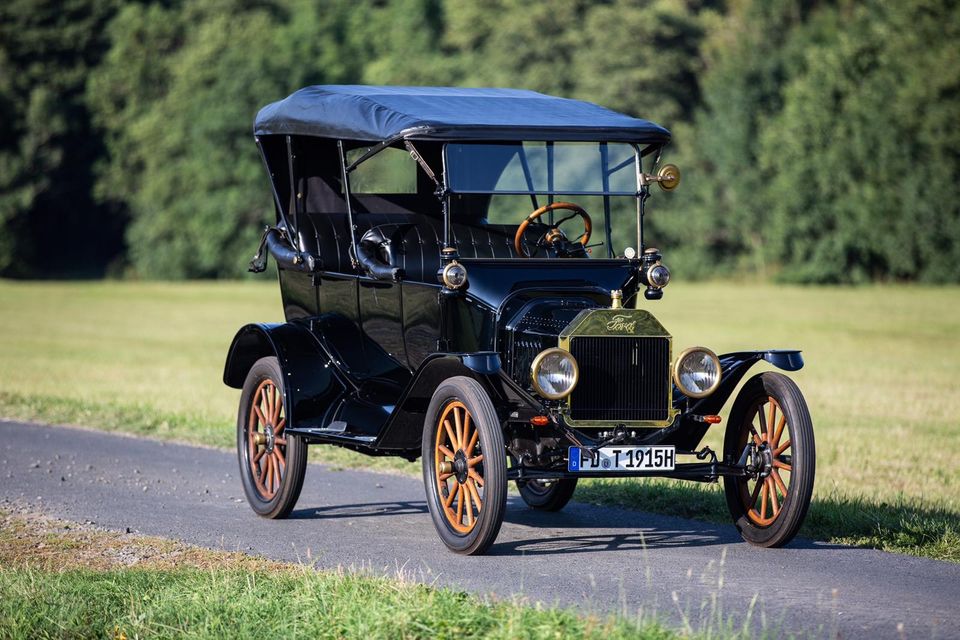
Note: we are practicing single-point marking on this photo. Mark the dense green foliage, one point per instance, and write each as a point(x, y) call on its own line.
point(820, 140)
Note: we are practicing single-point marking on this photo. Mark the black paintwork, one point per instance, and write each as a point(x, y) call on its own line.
point(370, 332)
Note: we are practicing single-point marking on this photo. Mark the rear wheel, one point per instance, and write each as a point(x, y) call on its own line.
point(272, 463)
point(464, 466)
point(771, 414)
point(547, 495)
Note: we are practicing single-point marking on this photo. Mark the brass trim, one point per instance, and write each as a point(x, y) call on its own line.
point(597, 323)
point(668, 177)
point(616, 299)
point(536, 365)
point(446, 280)
point(676, 368)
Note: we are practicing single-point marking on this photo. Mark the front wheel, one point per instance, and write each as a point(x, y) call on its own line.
point(272, 463)
point(770, 422)
point(464, 466)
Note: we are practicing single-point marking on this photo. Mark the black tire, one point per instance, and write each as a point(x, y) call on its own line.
point(272, 464)
point(450, 477)
point(547, 495)
point(787, 441)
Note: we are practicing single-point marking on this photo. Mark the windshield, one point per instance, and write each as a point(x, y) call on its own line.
point(572, 168)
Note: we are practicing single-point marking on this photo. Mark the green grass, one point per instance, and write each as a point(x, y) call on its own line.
point(880, 379)
point(59, 583)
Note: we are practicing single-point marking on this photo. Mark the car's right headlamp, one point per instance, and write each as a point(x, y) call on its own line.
point(696, 372)
point(554, 373)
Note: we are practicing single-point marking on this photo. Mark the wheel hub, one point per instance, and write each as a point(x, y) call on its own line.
point(764, 460)
point(460, 466)
point(269, 435)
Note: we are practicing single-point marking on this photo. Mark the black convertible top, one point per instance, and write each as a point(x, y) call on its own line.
point(377, 114)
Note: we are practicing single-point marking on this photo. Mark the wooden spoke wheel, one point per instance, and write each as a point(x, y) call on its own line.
point(770, 422)
point(272, 464)
point(464, 466)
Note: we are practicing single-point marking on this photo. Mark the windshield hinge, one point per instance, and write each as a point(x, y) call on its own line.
point(423, 165)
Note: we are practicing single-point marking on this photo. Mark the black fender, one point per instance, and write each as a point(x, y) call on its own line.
point(404, 429)
point(733, 367)
point(311, 383)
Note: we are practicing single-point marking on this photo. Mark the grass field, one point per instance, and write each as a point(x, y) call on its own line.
point(60, 582)
point(881, 376)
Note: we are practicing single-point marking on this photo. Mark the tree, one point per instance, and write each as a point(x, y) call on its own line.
point(865, 153)
point(49, 223)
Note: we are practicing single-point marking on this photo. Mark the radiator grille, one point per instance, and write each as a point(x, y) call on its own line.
point(621, 378)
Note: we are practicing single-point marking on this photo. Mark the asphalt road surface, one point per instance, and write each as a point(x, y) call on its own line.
point(592, 558)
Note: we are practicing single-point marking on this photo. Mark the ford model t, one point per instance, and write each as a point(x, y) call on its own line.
point(465, 280)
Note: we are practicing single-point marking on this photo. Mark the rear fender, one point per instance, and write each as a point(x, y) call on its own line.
point(311, 384)
point(404, 429)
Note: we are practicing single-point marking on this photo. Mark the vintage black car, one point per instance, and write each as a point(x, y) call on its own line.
point(458, 286)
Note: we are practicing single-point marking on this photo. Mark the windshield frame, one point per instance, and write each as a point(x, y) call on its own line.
point(639, 195)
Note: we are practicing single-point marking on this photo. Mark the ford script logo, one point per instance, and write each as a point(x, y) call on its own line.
point(621, 323)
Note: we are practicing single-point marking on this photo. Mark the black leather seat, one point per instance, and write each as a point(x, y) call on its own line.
point(415, 240)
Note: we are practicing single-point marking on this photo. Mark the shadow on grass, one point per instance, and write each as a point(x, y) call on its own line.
point(901, 526)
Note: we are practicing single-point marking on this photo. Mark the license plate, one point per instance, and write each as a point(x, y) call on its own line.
point(658, 458)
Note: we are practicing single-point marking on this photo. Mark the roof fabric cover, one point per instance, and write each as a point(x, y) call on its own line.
point(372, 113)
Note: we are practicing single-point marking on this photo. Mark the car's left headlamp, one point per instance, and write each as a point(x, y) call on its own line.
point(555, 373)
point(697, 372)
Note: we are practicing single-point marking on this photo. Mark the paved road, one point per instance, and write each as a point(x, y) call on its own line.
point(592, 558)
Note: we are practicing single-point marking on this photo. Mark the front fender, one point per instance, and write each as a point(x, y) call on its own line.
point(404, 429)
point(311, 384)
point(733, 367)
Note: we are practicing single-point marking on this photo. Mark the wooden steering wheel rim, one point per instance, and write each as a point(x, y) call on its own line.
point(580, 211)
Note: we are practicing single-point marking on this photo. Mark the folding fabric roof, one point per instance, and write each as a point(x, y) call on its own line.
point(377, 114)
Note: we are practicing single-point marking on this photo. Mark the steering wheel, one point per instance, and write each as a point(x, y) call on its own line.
point(553, 233)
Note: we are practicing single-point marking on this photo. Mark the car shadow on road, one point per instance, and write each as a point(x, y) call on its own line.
point(362, 510)
point(549, 533)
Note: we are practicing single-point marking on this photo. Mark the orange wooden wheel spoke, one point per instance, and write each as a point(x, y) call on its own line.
point(280, 458)
point(459, 503)
point(779, 432)
point(442, 449)
point(782, 465)
point(475, 477)
point(257, 456)
point(279, 426)
point(450, 496)
point(276, 473)
point(779, 481)
point(259, 413)
point(476, 494)
point(772, 420)
point(781, 448)
point(280, 441)
point(456, 419)
point(763, 499)
point(756, 494)
point(473, 442)
point(265, 396)
point(773, 496)
point(472, 462)
point(465, 433)
point(763, 423)
point(267, 474)
point(450, 434)
point(444, 476)
point(468, 509)
point(277, 405)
